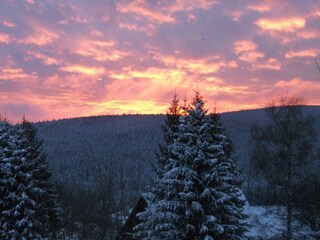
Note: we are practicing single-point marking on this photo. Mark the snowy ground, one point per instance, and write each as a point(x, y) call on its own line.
point(267, 223)
point(270, 223)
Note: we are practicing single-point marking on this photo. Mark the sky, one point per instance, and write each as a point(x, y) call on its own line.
point(74, 58)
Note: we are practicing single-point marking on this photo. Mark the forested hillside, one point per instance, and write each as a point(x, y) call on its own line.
point(131, 139)
point(104, 163)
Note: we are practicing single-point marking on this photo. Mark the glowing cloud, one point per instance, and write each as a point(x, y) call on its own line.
point(260, 8)
point(300, 87)
point(161, 12)
point(5, 38)
point(309, 34)
point(282, 25)
point(303, 53)
point(129, 107)
point(272, 64)
point(83, 69)
point(14, 74)
point(246, 50)
point(40, 36)
point(140, 9)
point(46, 60)
point(98, 50)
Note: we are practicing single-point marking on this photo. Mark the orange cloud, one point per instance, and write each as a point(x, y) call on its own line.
point(196, 66)
point(281, 24)
point(161, 77)
point(40, 37)
point(148, 28)
point(231, 90)
point(83, 70)
point(128, 107)
point(100, 51)
point(300, 87)
point(137, 8)
point(244, 46)
point(46, 60)
point(246, 50)
point(5, 38)
point(272, 64)
point(309, 34)
point(163, 12)
point(15, 74)
point(259, 7)
point(304, 53)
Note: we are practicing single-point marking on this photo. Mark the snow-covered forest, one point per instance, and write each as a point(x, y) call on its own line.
point(102, 165)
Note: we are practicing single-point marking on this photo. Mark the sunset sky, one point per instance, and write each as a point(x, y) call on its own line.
point(73, 58)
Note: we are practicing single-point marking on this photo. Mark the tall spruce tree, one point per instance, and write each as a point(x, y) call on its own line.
point(51, 211)
point(29, 204)
point(225, 185)
point(197, 196)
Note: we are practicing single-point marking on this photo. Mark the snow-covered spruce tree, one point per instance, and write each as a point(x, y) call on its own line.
point(29, 200)
point(169, 129)
point(4, 165)
point(50, 207)
point(188, 201)
point(146, 230)
point(221, 199)
point(221, 177)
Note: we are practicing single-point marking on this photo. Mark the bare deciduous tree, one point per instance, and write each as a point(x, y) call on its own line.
point(280, 147)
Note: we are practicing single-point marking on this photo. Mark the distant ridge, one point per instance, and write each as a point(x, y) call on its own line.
point(133, 139)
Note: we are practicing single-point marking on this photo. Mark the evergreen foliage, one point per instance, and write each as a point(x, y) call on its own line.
point(197, 197)
point(169, 129)
point(30, 208)
point(4, 140)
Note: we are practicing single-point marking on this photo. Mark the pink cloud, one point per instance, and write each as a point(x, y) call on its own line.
point(15, 74)
point(92, 71)
point(161, 12)
point(5, 38)
point(303, 53)
point(40, 37)
point(45, 59)
point(271, 63)
point(9, 24)
point(260, 7)
point(247, 51)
